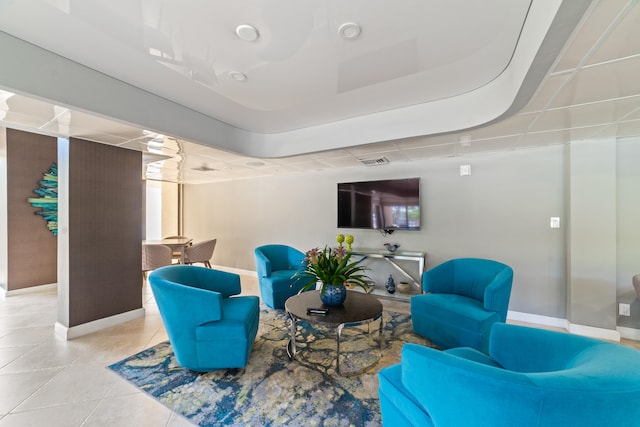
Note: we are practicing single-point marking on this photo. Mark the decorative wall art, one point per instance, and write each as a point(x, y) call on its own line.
point(48, 200)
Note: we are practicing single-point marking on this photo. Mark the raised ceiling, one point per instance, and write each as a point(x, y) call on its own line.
point(421, 79)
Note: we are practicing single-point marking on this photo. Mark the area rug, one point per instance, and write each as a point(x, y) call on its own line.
point(274, 390)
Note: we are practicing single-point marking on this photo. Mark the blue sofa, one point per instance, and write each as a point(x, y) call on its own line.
point(276, 265)
point(531, 377)
point(209, 328)
point(466, 296)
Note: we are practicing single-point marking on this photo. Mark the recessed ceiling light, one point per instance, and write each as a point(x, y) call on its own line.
point(349, 31)
point(248, 33)
point(238, 76)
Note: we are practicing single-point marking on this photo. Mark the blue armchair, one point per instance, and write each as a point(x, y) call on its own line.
point(276, 265)
point(466, 296)
point(532, 377)
point(208, 327)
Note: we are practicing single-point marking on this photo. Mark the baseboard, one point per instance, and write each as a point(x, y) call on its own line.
point(29, 290)
point(629, 333)
point(590, 331)
point(236, 270)
point(537, 319)
point(67, 333)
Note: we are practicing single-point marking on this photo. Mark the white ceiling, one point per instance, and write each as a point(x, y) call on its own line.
point(423, 79)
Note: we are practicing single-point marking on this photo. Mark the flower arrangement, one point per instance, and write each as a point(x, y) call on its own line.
point(332, 267)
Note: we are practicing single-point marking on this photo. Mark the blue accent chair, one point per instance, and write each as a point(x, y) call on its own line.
point(276, 265)
point(531, 378)
point(209, 328)
point(466, 296)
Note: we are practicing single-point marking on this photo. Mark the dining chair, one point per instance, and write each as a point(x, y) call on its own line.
point(155, 256)
point(200, 252)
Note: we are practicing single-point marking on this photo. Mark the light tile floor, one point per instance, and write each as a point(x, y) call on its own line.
point(45, 380)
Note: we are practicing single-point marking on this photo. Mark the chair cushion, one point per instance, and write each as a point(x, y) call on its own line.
point(450, 320)
point(461, 311)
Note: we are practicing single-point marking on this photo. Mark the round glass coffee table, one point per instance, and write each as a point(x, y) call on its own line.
point(358, 309)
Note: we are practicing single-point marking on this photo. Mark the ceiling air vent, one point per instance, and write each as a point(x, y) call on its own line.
point(375, 162)
point(203, 168)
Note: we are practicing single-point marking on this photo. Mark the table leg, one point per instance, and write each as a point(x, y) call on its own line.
point(381, 334)
point(338, 337)
point(291, 346)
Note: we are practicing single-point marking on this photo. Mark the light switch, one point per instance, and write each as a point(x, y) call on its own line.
point(555, 222)
point(465, 170)
point(624, 309)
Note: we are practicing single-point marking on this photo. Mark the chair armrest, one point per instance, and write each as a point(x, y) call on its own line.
point(263, 265)
point(497, 293)
point(458, 391)
point(438, 279)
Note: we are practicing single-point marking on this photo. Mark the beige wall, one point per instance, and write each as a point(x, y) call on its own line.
point(170, 217)
point(502, 211)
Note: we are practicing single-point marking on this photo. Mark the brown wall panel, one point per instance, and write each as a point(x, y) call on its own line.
point(105, 231)
point(32, 248)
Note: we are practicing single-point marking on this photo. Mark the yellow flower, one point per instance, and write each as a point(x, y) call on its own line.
point(340, 239)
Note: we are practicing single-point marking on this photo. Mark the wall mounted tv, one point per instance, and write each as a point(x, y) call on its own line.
point(392, 204)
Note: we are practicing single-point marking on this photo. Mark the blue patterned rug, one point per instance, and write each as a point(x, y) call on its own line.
point(273, 390)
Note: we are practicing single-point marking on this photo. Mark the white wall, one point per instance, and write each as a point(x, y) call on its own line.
point(153, 210)
point(501, 212)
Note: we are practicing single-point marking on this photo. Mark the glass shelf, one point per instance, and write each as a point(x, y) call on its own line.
point(415, 283)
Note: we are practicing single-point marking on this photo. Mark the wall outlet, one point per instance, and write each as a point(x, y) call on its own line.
point(624, 309)
point(554, 222)
point(465, 170)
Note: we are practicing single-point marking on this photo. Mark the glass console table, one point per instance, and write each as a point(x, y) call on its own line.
point(415, 283)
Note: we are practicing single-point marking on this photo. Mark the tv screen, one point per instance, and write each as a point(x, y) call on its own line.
point(392, 204)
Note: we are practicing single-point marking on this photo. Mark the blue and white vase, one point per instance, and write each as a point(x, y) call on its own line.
point(333, 295)
point(391, 285)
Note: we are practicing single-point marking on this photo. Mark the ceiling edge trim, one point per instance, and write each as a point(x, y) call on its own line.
point(67, 83)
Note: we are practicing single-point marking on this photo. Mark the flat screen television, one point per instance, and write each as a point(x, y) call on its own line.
point(391, 204)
